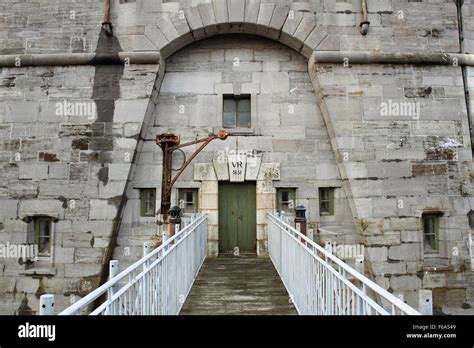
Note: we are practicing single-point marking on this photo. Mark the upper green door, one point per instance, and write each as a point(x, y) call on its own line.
point(237, 217)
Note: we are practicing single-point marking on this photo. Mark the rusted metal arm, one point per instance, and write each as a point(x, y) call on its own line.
point(364, 24)
point(221, 135)
point(106, 24)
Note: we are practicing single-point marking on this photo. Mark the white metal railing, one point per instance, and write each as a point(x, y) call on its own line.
point(319, 283)
point(157, 284)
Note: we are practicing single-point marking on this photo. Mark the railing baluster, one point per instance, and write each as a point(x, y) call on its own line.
point(153, 284)
point(319, 282)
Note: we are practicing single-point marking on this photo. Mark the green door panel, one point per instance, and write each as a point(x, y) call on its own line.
point(237, 217)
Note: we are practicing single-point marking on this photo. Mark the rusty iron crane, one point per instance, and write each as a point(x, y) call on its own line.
point(168, 144)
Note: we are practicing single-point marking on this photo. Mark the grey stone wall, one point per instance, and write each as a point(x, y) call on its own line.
point(399, 165)
point(390, 168)
point(69, 167)
point(35, 26)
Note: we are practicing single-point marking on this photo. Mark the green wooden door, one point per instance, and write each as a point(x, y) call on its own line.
point(237, 217)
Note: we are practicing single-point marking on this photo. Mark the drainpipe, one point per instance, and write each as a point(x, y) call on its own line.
point(106, 24)
point(364, 25)
point(459, 4)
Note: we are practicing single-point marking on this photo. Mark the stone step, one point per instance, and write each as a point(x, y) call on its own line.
point(238, 285)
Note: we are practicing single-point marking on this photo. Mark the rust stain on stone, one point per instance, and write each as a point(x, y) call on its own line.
point(48, 157)
point(80, 144)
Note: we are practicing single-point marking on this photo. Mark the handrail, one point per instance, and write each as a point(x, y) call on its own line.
point(343, 269)
point(166, 248)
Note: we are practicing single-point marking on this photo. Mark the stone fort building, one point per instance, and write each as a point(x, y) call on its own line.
point(365, 125)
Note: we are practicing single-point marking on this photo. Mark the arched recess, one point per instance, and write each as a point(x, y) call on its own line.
point(294, 28)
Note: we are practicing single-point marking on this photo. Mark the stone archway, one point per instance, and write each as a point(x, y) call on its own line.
point(294, 27)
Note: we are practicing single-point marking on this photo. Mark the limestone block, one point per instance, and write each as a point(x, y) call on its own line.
point(271, 66)
point(212, 215)
point(330, 43)
point(405, 283)
point(102, 210)
point(209, 187)
point(212, 245)
point(63, 255)
point(379, 5)
point(40, 207)
point(327, 171)
point(384, 207)
point(35, 171)
point(220, 11)
point(253, 167)
point(250, 88)
point(241, 54)
point(441, 128)
point(377, 254)
point(97, 228)
point(81, 270)
point(279, 16)
point(355, 170)
point(207, 15)
point(382, 268)
point(167, 28)
point(272, 82)
point(204, 172)
point(179, 23)
point(414, 266)
point(209, 201)
point(269, 172)
point(213, 232)
point(112, 189)
point(224, 88)
point(27, 284)
point(101, 242)
point(8, 208)
point(313, 40)
point(262, 216)
point(405, 187)
point(7, 284)
point(143, 43)
point(251, 10)
point(407, 252)
point(408, 223)
point(58, 171)
point(88, 255)
point(265, 14)
point(261, 232)
point(221, 168)
point(305, 27)
point(22, 111)
point(190, 82)
point(77, 240)
point(194, 18)
point(119, 171)
point(411, 236)
point(389, 238)
point(236, 10)
point(389, 169)
point(292, 23)
point(434, 280)
point(265, 201)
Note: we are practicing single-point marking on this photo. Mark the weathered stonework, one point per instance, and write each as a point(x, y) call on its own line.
point(388, 167)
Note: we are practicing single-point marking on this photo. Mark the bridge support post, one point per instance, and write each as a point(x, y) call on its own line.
point(144, 287)
point(359, 264)
point(300, 219)
point(425, 302)
point(113, 271)
point(46, 305)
